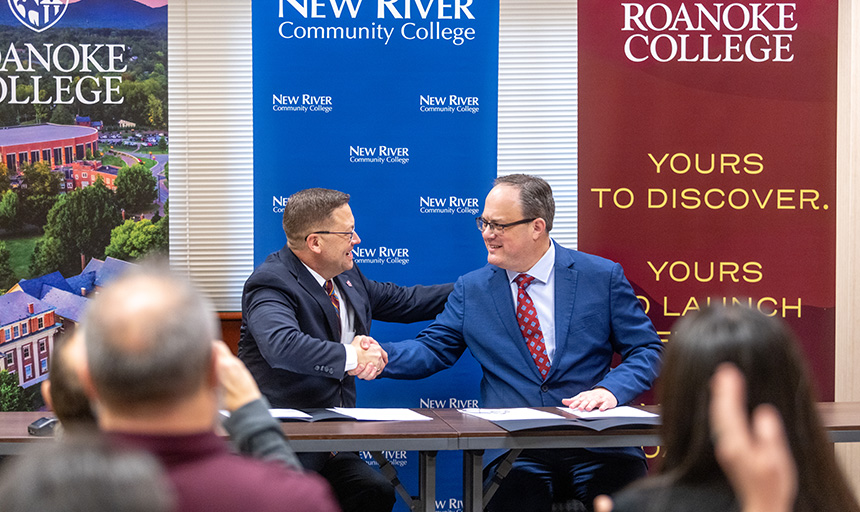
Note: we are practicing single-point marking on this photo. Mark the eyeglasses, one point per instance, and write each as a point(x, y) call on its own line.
point(495, 227)
point(350, 233)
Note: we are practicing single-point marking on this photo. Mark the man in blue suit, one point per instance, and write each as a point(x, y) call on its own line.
point(543, 322)
point(305, 311)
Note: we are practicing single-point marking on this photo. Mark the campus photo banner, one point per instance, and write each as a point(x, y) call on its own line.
point(393, 102)
point(707, 161)
point(83, 166)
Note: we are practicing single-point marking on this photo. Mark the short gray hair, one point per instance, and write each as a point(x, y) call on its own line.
point(149, 338)
point(535, 196)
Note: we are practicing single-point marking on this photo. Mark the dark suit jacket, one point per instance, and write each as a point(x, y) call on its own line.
point(597, 314)
point(288, 326)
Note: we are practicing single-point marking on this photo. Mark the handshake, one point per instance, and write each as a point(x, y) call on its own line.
point(371, 358)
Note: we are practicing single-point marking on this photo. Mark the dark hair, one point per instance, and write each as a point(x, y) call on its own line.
point(766, 352)
point(535, 196)
point(149, 338)
point(68, 398)
point(308, 209)
point(84, 475)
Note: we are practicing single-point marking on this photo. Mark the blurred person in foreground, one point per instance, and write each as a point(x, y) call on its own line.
point(62, 390)
point(712, 461)
point(252, 429)
point(152, 372)
point(84, 474)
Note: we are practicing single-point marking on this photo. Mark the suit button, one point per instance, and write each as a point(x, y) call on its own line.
point(544, 388)
point(317, 368)
point(331, 371)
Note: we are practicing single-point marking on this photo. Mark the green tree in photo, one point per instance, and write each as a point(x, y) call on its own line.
point(62, 115)
point(9, 210)
point(5, 176)
point(12, 396)
point(49, 255)
point(78, 225)
point(39, 191)
point(7, 275)
point(42, 110)
point(40, 179)
point(133, 240)
point(162, 144)
point(156, 112)
point(34, 209)
point(135, 188)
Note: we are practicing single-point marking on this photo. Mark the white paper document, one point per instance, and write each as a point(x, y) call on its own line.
point(517, 413)
point(381, 414)
point(623, 411)
point(286, 414)
point(281, 414)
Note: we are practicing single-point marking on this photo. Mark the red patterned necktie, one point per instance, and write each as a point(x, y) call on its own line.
point(329, 289)
point(529, 324)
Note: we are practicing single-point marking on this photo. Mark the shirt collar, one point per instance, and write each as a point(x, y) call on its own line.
point(320, 279)
point(542, 269)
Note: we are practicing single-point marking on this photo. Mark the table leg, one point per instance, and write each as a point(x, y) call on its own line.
point(426, 501)
point(473, 486)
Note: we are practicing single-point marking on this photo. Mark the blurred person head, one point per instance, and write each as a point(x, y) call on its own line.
point(766, 353)
point(516, 221)
point(320, 230)
point(83, 475)
point(63, 391)
point(148, 338)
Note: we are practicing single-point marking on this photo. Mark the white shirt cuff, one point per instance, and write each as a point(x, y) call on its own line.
point(351, 358)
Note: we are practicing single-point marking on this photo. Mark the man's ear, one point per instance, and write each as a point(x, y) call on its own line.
point(538, 228)
point(46, 393)
point(313, 244)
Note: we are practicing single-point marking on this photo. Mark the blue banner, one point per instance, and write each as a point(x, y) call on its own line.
point(395, 103)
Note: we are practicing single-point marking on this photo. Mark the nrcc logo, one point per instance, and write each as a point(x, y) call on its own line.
point(380, 255)
point(301, 103)
point(450, 204)
point(38, 15)
point(450, 103)
point(378, 155)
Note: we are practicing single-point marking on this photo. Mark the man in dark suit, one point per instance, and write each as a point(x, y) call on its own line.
point(544, 322)
point(305, 312)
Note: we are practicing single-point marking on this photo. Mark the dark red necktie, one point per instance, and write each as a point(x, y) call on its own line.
point(529, 324)
point(329, 289)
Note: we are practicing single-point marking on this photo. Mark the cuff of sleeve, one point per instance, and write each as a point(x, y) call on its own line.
point(238, 422)
point(351, 358)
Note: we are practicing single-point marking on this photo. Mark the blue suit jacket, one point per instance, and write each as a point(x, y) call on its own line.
point(288, 323)
point(596, 314)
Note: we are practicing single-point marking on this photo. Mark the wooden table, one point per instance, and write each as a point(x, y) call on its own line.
point(448, 430)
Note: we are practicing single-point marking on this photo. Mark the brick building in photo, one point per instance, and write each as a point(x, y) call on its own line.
point(27, 329)
point(56, 144)
point(34, 311)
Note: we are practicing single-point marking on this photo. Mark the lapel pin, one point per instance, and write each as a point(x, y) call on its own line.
point(348, 283)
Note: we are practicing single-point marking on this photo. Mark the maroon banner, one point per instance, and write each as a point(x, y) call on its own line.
point(707, 161)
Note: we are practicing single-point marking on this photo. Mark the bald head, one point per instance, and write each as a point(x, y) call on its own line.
point(149, 339)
